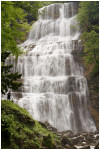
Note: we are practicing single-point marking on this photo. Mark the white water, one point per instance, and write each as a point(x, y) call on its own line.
point(55, 89)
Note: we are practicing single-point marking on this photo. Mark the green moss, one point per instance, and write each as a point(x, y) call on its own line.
point(20, 131)
point(47, 141)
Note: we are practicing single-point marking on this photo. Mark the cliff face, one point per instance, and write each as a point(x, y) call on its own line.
point(93, 84)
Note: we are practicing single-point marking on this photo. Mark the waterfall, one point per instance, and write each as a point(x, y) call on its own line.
point(54, 88)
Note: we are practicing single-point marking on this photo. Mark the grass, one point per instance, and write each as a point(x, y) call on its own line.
point(20, 131)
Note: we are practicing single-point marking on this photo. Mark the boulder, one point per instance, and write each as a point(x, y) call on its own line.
point(77, 134)
point(79, 147)
point(54, 130)
point(86, 147)
point(97, 137)
point(78, 139)
point(84, 134)
point(42, 124)
point(89, 140)
point(68, 133)
point(65, 140)
point(49, 127)
point(67, 146)
point(97, 144)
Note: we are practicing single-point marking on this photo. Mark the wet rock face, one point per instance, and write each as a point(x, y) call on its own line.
point(77, 51)
point(94, 96)
point(75, 45)
point(18, 95)
point(50, 12)
point(67, 66)
point(53, 11)
point(93, 82)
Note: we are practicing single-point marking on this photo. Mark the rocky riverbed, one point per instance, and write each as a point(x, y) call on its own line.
point(80, 140)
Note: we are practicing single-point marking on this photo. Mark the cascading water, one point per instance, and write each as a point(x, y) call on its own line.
point(54, 88)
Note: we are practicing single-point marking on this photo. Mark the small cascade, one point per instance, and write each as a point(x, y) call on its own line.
point(54, 88)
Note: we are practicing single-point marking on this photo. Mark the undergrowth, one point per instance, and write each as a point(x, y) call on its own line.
point(20, 131)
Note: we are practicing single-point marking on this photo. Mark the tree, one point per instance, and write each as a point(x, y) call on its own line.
point(30, 8)
point(13, 28)
point(8, 79)
point(88, 17)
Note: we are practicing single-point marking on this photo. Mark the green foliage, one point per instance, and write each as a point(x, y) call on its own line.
point(47, 141)
point(20, 131)
point(95, 71)
point(4, 55)
point(31, 8)
point(88, 18)
point(13, 26)
point(91, 47)
point(88, 14)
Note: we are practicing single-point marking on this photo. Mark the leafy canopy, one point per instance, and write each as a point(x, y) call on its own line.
point(88, 17)
point(13, 26)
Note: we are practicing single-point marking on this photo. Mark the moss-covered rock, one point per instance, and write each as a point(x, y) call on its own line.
point(47, 141)
point(20, 131)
